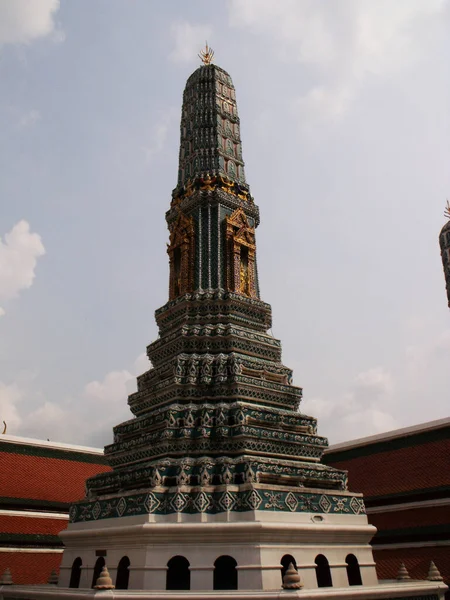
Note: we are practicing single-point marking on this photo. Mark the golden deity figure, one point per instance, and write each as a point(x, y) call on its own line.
point(244, 279)
point(207, 183)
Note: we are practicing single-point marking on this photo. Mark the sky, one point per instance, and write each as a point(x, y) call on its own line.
point(345, 122)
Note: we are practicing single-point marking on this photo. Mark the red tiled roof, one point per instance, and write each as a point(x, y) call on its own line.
point(30, 567)
point(417, 561)
point(398, 470)
point(44, 478)
point(402, 519)
point(31, 525)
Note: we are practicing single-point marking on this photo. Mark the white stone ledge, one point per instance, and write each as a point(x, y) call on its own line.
point(382, 591)
point(228, 532)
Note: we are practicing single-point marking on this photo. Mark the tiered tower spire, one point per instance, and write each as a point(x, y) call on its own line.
point(218, 408)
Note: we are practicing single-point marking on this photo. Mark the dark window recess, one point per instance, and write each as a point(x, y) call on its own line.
point(123, 573)
point(178, 574)
point(75, 574)
point(225, 573)
point(353, 570)
point(323, 572)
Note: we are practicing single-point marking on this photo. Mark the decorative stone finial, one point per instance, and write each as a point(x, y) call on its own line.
point(206, 55)
point(104, 581)
point(53, 578)
point(433, 573)
point(291, 579)
point(402, 573)
point(6, 578)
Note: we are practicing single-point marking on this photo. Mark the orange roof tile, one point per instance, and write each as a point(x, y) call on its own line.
point(30, 567)
point(417, 561)
point(31, 525)
point(43, 478)
point(398, 470)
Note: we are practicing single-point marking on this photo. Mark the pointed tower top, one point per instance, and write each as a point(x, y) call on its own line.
point(210, 138)
point(433, 573)
point(402, 573)
point(206, 55)
point(291, 579)
point(104, 581)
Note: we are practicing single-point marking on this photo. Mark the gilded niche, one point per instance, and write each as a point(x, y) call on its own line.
point(241, 251)
point(181, 251)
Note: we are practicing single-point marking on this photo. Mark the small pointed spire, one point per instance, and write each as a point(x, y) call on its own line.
point(433, 573)
point(206, 55)
point(53, 578)
point(402, 572)
point(447, 210)
point(291, 579)
point(104, 581)
point(6, 578)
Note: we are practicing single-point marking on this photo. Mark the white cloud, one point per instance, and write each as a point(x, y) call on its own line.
point(341, 44)
point(52, 421)
point(86, 419)
point(23, 21)
point(10, 396)
point(188, 40)
point(158, 137)
point(363, 410)
point(18, 257)
point(29, 119)
point(114, 387)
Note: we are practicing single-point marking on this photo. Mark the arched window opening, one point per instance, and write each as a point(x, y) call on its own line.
point(285, 562)
point(100, 563)
point(244, 272)
point(75, 574)
point(323, 572)
point(178, 574)
point(225, 573)
point(353, 570)
point(123, 573)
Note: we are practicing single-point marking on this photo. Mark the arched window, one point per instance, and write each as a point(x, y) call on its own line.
point(225, 573)
point(353, 571)
point(178, 574)
point(285, 562)
point(323, 572)
point(100, 563)
point(75, 574)
point(123, 573)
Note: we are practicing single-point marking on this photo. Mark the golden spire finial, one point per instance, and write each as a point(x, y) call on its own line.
point(206, 55)
point(447, 210)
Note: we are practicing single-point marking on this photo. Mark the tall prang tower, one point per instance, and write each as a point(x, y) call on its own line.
point(444, 242)
point(217, 481)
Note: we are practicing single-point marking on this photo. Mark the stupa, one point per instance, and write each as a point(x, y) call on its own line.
point(444, 242)
point(217, 488)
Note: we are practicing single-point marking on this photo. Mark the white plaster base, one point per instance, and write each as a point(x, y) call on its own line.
point(257, 541)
